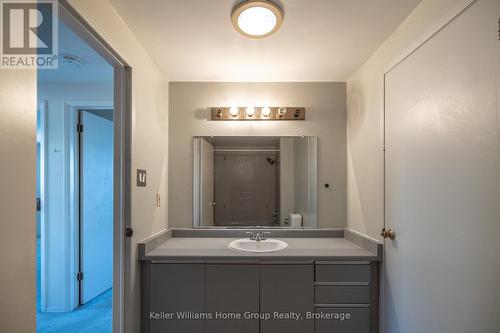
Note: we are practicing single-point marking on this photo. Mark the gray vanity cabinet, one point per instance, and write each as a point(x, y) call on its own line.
point(341, 288)
point(285, 289)
point(175, 288)
point(348, 292)
point(232, 289)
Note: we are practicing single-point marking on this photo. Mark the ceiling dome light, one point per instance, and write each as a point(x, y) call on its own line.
point(257, 18)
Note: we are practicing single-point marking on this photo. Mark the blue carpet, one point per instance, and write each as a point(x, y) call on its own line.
point(93, 317)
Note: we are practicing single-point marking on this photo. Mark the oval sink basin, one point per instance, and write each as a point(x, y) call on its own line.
point(248, 245)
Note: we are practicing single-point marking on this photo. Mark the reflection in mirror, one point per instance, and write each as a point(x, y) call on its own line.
point(255, 181)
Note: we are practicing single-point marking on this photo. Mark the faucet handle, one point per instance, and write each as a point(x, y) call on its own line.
point(263, 235)
point(252, 234)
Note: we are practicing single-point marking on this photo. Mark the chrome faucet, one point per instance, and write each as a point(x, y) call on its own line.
point(258, 236)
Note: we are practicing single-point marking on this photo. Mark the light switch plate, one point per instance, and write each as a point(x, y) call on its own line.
point(141, 177)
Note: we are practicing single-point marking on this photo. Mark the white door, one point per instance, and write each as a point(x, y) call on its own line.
point(443, 181)
point(96, 205)
point(207, 183)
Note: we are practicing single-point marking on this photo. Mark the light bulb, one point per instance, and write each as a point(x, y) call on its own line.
point(250, 111)
point(257, 21)
point(233, 111)
point(282, 111)
point(266, 111)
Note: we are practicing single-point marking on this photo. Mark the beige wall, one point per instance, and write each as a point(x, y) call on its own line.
point(17, 200)
point(365, 104)
point(326, 118)
point(149, 137)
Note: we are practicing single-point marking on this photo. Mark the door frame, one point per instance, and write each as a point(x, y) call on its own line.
point(122, 154)
point(441, 24)
point(42, 180)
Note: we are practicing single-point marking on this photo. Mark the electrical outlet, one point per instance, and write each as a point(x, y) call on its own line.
point(158, 202)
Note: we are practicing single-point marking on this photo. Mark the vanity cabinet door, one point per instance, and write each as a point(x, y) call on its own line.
point(287, 289)
point(176, 288)
point(232, 290)
point(358, 321)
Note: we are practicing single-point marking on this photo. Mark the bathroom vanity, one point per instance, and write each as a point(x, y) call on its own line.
point(324, 281)
point(256, 259)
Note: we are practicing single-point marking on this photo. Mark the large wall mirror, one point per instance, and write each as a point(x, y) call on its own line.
point(255, 181)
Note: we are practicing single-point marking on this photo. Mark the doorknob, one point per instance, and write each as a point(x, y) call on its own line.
point(212, 203)
point(388, 233)
point(129, 232)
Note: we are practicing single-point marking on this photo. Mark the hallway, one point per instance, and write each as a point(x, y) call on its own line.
point(93, 317)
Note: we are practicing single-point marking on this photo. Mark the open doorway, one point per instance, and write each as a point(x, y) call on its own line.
point(82, 177)
point(76, 232)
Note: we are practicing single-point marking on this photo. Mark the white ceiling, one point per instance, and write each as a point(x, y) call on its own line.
point(320, 40)
point(93, 68)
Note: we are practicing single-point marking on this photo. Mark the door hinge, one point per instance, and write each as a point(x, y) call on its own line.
point(79, 128)
point(79, 276)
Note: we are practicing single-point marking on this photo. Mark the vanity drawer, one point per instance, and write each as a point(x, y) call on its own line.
point(358, 321)
point(342, 294)
point(343, 271)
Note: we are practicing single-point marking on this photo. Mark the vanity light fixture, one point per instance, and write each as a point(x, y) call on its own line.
point(234, 111)
point(257, 18)
point(250, 111)
point(282, 111)
point(258, 113)
point(265, 112)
